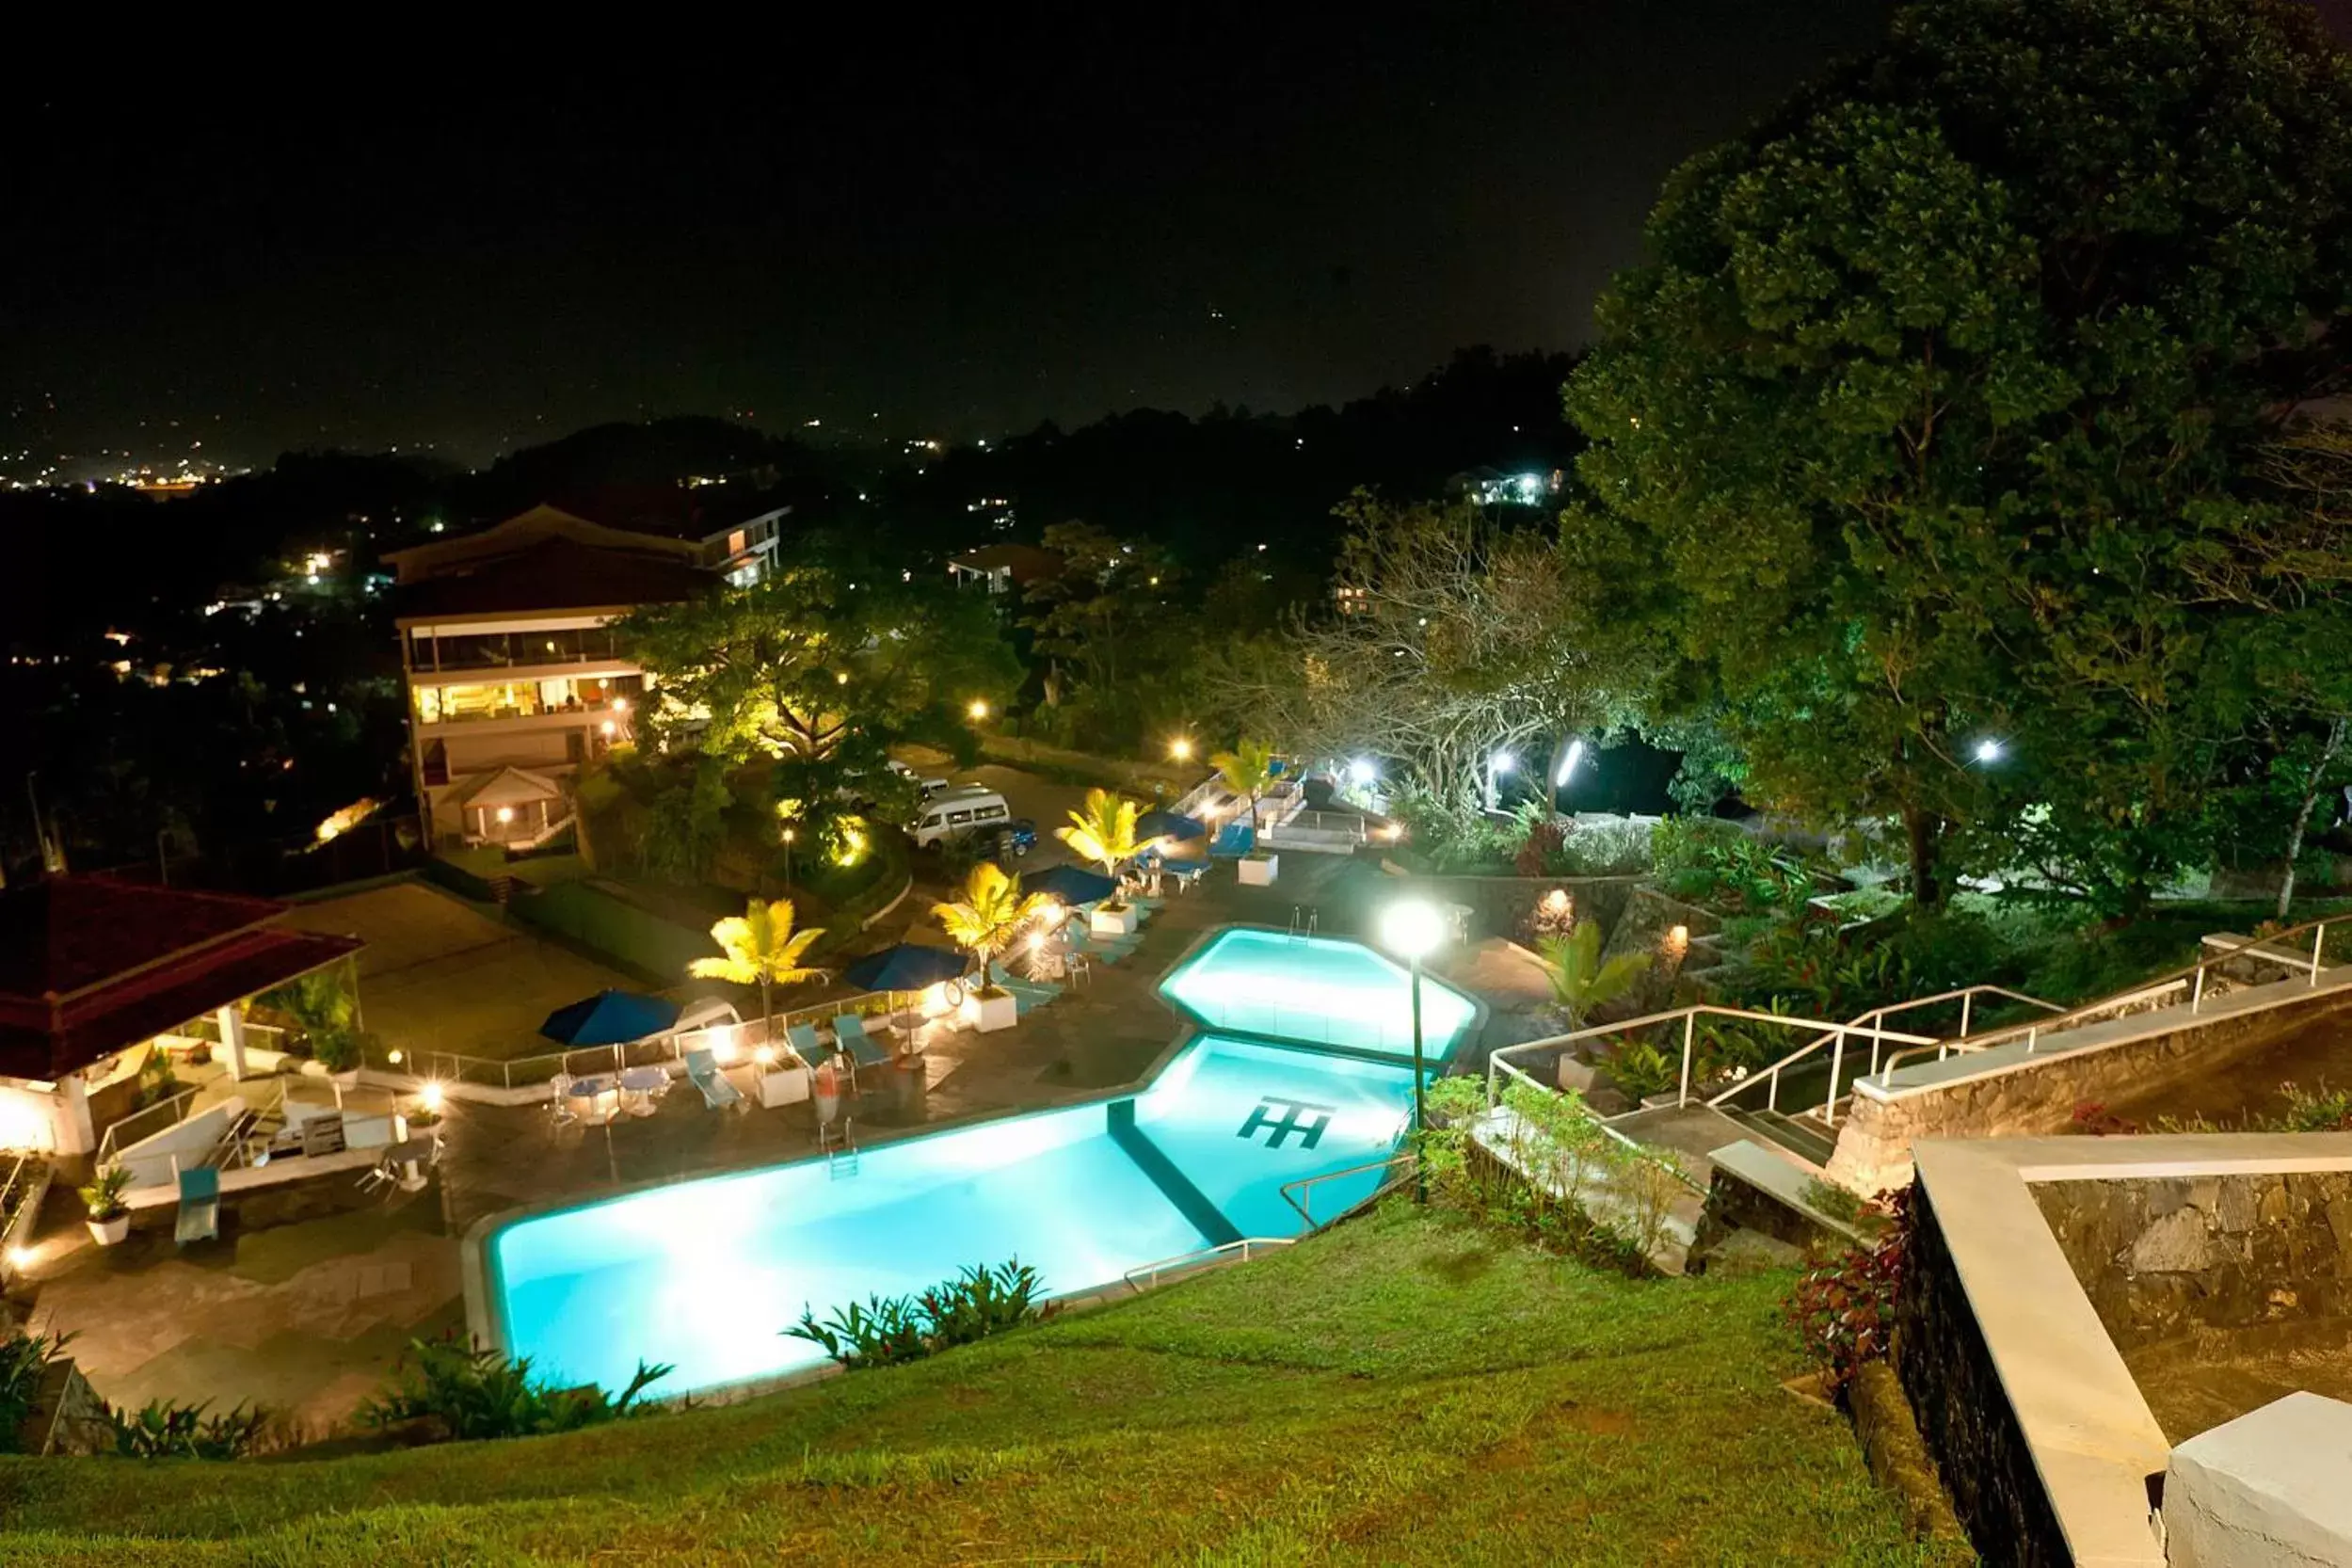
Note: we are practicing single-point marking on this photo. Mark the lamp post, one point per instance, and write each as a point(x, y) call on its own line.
point(1413, 929)
point(787, 859)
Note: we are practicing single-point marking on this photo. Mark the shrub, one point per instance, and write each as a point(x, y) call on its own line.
point(1557, 1136)
point(1843, 1308)
point(164, 1430)
point(25, 1358)
point(1641, 1068)
point(1708, 860)
point(1604, 849)
point(886, 1330)
point(1451, 834)
point(469, 1393)
point(2326, 1110)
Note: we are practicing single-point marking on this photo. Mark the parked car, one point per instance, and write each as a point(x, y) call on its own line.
point(970, 809)
point(925, 782)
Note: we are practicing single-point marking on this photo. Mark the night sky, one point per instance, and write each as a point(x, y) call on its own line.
point(959, 232)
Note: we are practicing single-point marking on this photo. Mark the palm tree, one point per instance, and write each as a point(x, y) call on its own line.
point(1103, 831)
point(761, 949)
point(1581, 982)
point(989, 917)
point(1247, 770)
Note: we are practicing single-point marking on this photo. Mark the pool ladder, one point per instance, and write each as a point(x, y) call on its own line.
point(840, 1151)
point(1303, 919)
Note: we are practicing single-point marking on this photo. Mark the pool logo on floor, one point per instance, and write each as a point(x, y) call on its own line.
point(1293, 1119)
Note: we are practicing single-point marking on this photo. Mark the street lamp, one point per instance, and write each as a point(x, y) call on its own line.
point(978, 710)
point(1568, 761)
point(787, 857)
point(1988, 750)
point(1361, 772)
point(1181, 749)
point(1413, 929)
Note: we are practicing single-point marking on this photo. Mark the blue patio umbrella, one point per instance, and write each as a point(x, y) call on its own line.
point(609, 1019)
point(1170, 824)
point(904, 967)
point(1072, 885)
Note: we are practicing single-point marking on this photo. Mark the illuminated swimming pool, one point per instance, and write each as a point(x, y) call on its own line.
point(706, 1274)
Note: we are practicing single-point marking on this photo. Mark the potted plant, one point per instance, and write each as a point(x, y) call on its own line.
point(109, 1216)
point(1103, 831)
point(1248, 771)
point(760, 948)
point(985, 922)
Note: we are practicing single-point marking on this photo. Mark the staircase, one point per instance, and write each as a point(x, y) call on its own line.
point(1804, 1136)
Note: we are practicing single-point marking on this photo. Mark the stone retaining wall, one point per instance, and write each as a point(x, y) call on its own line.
point(2038, 1095)
point(1965, 1418)
point(2160, 1257)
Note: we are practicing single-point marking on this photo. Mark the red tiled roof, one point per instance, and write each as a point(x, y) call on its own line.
point(1027, 562)
point(88, 967)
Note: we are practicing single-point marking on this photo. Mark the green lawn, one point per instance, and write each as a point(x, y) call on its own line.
point(1403, 1389)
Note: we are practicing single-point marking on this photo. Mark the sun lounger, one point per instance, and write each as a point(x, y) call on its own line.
point(200, 1205)
point(702, 1069)
point(849, 1032)
point(1044, 990)
point(803, 1040)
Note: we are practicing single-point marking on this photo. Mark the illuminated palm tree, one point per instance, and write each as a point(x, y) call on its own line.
point(1582, 980)
point(988, 917)
point(1103, 831)
point(761, 949)
point(1247, 770)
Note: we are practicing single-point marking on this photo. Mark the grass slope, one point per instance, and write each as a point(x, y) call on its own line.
point(1404, 1389)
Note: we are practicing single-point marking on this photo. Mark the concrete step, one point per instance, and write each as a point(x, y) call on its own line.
point(1808, 1142)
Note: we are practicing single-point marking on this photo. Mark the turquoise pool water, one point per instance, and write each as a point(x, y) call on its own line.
point(707, 1274)
point(1314, 990)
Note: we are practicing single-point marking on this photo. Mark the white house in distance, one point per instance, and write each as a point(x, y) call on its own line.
point(512, 675)
point(1003, 568)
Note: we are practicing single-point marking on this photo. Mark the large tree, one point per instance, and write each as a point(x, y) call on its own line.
point(819, 669)
point(1448, 639)
point(1929, 384)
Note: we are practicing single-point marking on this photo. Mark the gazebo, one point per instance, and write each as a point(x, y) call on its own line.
point(512, 805)
point(91, 968)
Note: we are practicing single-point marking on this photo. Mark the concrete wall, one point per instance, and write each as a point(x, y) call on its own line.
point(2161, 1256)
point(2039, 1094)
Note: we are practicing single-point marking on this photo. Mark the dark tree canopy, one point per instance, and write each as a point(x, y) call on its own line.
point(1930, 389)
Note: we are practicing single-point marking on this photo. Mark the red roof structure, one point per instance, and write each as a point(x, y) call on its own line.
point(89, 966)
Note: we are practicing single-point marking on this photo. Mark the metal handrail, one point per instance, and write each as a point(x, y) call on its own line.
point(1202, 1259)
point(1306, 1184)
point(2193, 976)
point(1689, 1017)
point(1966, 997)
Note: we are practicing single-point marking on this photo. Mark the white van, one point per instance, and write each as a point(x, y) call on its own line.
point(965, 808)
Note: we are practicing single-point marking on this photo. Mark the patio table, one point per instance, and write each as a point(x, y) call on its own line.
point(595, 1099)
point(639, 1085)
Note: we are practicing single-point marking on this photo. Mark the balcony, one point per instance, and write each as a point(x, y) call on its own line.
point(470, 652)
point(603, 700)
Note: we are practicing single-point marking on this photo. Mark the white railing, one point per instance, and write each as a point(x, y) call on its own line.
point(1144, 1277)
point(2148, 997)
point(147, 1118)
point(1837, 1034)
point(582, 1060)
point(1874, 1020)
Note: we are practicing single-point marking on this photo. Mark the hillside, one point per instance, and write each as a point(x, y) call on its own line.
point(1403, 1389)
